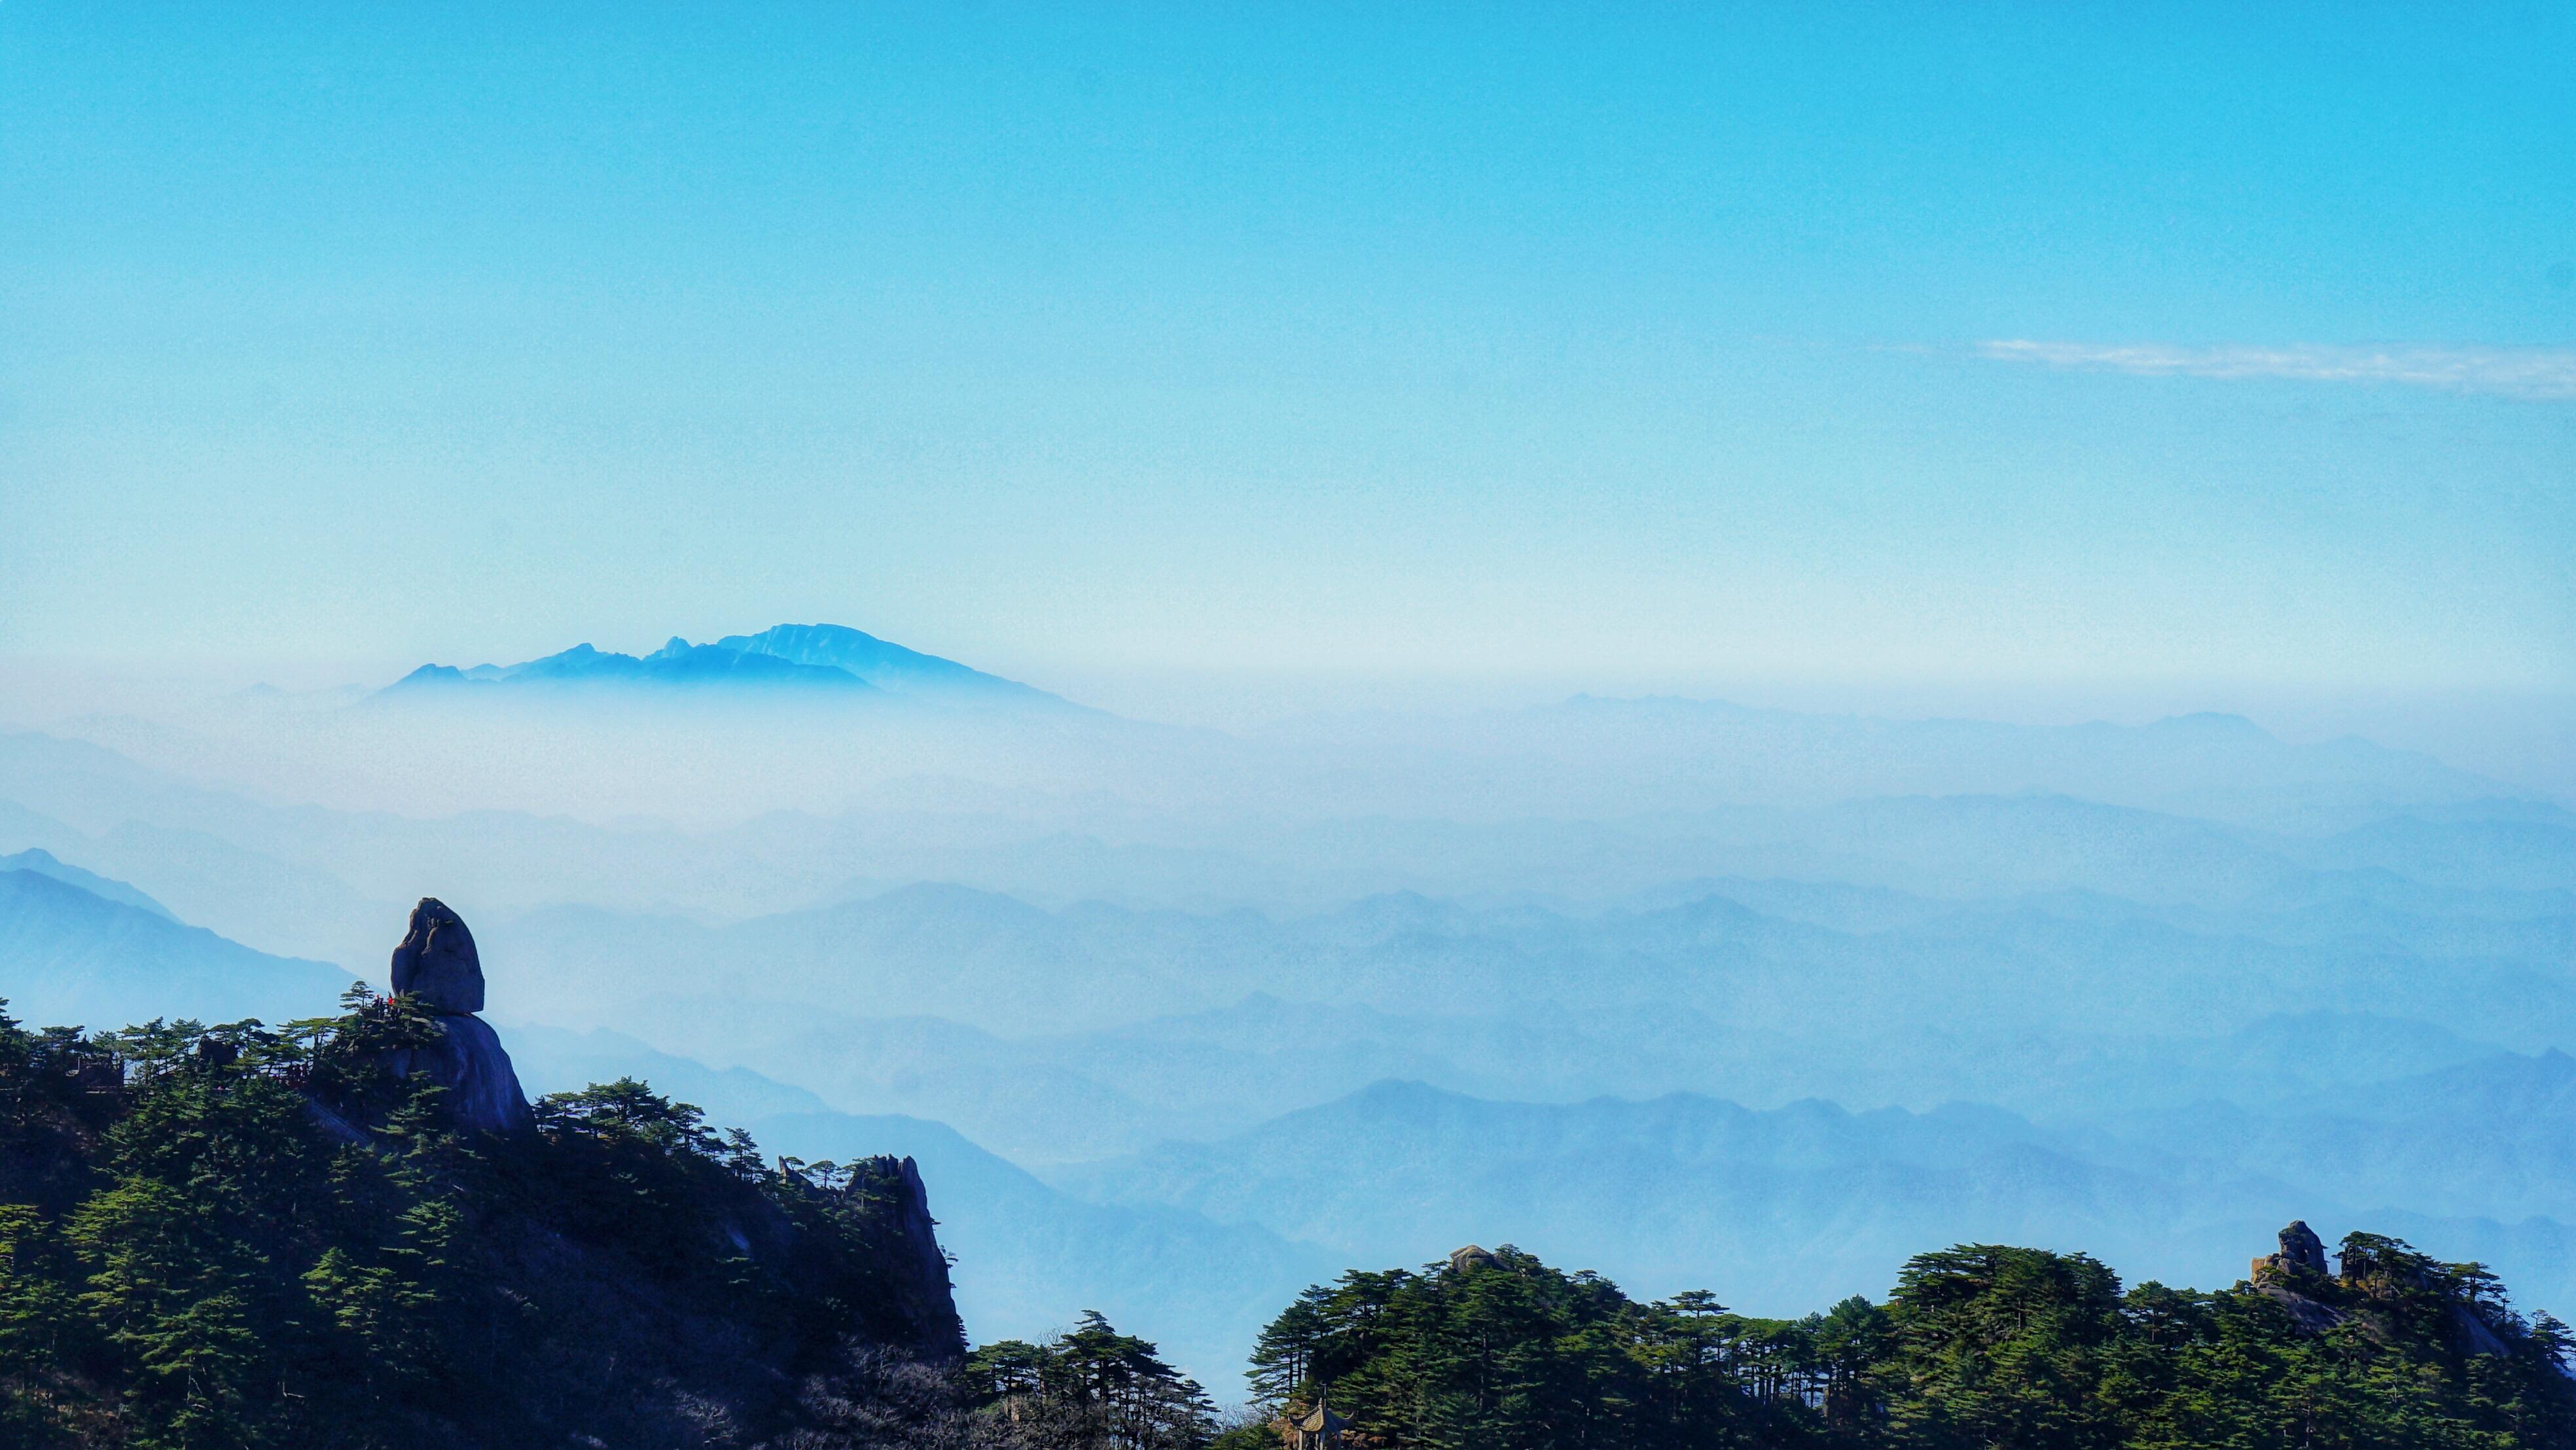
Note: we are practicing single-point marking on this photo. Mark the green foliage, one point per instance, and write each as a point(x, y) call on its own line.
point(233, 1238)
point(236, 1237)
point(343, 1056)
point(1515, 1355)
point(2003, 1347)
point(1089, 1386)
point(1980, 1346)
point(58, 1092)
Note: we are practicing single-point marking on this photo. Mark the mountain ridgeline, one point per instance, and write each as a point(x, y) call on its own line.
point(1690, 995)
point(828, 659)
point(355, 1231)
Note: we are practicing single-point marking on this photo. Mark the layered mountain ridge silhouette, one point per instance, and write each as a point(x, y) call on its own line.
point(823, 658)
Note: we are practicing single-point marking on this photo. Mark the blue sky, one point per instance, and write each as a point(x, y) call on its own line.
point(1638, 346)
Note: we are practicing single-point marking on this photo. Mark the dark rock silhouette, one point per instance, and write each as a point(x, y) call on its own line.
point(2301, 1248)
point(469, 1062)
point(2301, 1253)
point(916, 1268)
point(437, 966)
point(436, 962)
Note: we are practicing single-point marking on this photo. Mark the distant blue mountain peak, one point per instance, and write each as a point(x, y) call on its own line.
point(821, 657)
point(44, 863)
point(2214, 723)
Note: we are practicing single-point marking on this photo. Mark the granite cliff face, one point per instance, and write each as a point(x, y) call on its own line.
point(469, 1061)
point(915, 1269)
point(436, 965)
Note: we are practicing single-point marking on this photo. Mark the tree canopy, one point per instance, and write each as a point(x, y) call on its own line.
point(198, 1252)
point(1980, 1345)
point(1090, 1386)
point(233, 1237)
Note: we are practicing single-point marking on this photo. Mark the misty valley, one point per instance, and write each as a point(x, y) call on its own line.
point(1174, 1024)
point(869, 726)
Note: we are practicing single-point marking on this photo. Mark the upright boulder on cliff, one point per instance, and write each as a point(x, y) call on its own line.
point(1473, 1256)
point(436, 963)
point(2297, 1279)
point(2301, 1248)
point(437, 966)
point(2301, 1253)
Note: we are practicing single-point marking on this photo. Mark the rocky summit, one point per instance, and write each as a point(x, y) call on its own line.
point(436, 966)
point(302, 1224)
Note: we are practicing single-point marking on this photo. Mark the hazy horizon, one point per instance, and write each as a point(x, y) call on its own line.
point(2187, 343)
point(1665, 605)
point(2522, 738)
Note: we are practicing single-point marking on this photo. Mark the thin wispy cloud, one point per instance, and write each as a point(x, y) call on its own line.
point(2511, 372)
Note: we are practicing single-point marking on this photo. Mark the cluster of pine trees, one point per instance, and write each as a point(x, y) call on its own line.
point(191, 1257)
point(1090, 1386)
point(1979, 1346)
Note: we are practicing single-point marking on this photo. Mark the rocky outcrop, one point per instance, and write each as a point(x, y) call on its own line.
point(906, 1239)
point(437, 966)
point(2301, 1248)
point(2301, 1253)
point(1472, 1257)
point(2473, 1334)
point(469, 1062)
point(2297, 1278)
point(2314, 1316)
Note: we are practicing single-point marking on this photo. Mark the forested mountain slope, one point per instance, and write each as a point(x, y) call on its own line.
point(241, 1237)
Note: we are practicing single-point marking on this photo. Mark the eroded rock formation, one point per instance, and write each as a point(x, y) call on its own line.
point(2298, 1278)
point(1471, 1257)
point(2301, 1253)
point(2294, 1277)
point(916, 1268)
point(2301, 1248)
point(437, 966)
